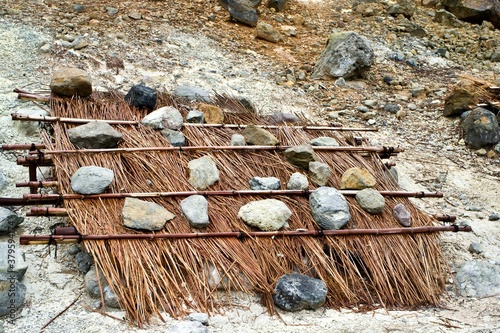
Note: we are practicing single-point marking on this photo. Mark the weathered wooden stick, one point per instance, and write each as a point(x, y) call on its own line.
point(47, 119)
point(47, 211)
point(34, 97)
point(34, 160)
point(444, 217)
point(45, 239)
point(26, 146)
point(39, 184)
point(6, 202)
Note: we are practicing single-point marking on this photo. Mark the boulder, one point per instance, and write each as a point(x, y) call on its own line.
point(297, 181)
point(319, 173)
point(110, 298)
point(283, 118)
point(258, 136)
point(478, 279)
point(295, 292)
point(91, 180)
point(346, 54)
point(141, 97)
point(357, 179)
point(267, 32)
point(188, 327)
point(481, 128)
point(242, 12)
point(176, 138)
point(12, 265)
point(12, 295)
point(203, 172)
point(196, 117)
point(475, 11)
point(92, 282)
point(265, 183)
point(144, 215)
point(192, 93)
point(195, 209)
point(402, 215)
point(30, 128)
point(300, 156)
point(279, 5)
point(9, 220)
point(238, 140)
point(165, 117)
point(94, 135)
point(267, 215)
point(371, 200)
point(459, 101)
point(212, 114)
point(84, 261)
point(324, 141)
point(329, 208)
point(71, 82)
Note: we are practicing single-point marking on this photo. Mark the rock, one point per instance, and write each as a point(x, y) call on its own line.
point(371, 200)
point(165, 117)
point(135, 15)
point(357, 179)
point(13, 264)
point(346, 54)
point(295, 292)
point(196, 117)
point(247, 104)
point(265, 183)
point(242, 12)
point(476, 248)
point(392, 173)
point(459, 101)
point(141, 97)
point(189, 327)
point(391, 108)
point(195, 209)
point(329, 208)
point(238, 140)
point(481, 128)
point(402, 215)
point(203, 172)
point(110, 298)
point(297, 181)
point(267, 215)
point(324, 141)
point(213, 114)
point(267, 32)
point(446, 18)
point(283, 118)
point(91, 180)
point(84, 261)
point(199, 317)
point(111, 11)
point(176, 138)
point(12, 295)
point(94, 135)
point(495, 56)
point(475, 11)
point(478, 279)
point(403, 7)
point(78, 8)
point(258, 136)
point(30, 128)
point(144, 215)
point(9, 220)
point(192, 93)
point(279, 5)
point(300, 156)
point(92, 284)
point(3, 181)
point(71, 82)
point(319, 173)
point(494, 217)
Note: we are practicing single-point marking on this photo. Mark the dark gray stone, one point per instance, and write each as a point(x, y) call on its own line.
point(481, 128)
point(192, 93)
point(79, 8)
point(265, 183)
point(371, 200)
point(92, 284)
point(84, 261)
point(297, 181)
point(242, 12)
point(476, 248)
point(495, 57)
point(295, 292)
point(324, 141)
point(392, 108)
point(144, 215)
point(11, 290)
point(478, 279)
point(279, 5)
point(94, 135)
point(176, 138)
point(195, 209)
point(494, 217)
point(8, 268)
point(329, 208)
point(195, 116)
point(110, 298)
point(9, 220)
point(267, 215)
point(91, 180)
point(402, 215)
point(141, 97)
point(300, 156)
point(203, 172)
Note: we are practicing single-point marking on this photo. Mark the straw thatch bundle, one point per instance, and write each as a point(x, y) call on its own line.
point(174, 275)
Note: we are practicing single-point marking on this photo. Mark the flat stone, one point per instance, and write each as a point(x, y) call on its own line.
point(478, 279)
point(319, 172)
point(12, 295)
point(203, 172)
point(402, 215)
point(192, 93)
point(300, 156)
point(371, 200)
point(258, 136)
point(141, 97)
point(196, 117)
point(71, 82)
point(176, 138)
point(144, 215)
point(30, 128)
point(212, 114)
point(265, 183)
point(295, 292)
point(9, 220)
point(94, 135)
point(329, 208)
point(357, 179)
point(13, 264)
point(267, 215)
point(297, 181)
point(238, 140)
point(91, 180)
point(195, 209)
point(324, 141)
point(267, 32)
point(284, 118)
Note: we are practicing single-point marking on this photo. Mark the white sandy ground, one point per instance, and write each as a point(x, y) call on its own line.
point(52, 284)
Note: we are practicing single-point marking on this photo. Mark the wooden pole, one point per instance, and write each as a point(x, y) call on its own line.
point(26, 146)
point(47, 211)
point(39, 184)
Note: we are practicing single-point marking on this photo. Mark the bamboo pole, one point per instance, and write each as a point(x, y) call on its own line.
point(45, 239)
point(47, 211)
point(39, 184)
point(26, 146)
point(47, 119)
point(35, 161)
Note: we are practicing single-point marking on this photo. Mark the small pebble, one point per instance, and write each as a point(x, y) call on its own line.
point(494, 217)
point(475, 248)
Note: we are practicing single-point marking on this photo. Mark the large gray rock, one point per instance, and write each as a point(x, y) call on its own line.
point(319, 172)
point(139, 214)
point(481, 128)
point(324, 141)
point(9, 220)
point(30, 127)
point(192, 93)
point(300, 156)
point(12, 265)
point(142, 97)
point(91, 180)
point(258, 136)
point(295, 292)
point(94, 135)
point(346, 54)
point(195, 209)
point(176, 138)
point(402, 215)
point(71, 82)
point(12, 295)
point(329, 208)
point(371, 200)
point(265, 183)
point(475, 11)
point(92, 282)
point(478, 279)
point(297, 181)
point(203, 172)
point(242, 12)
point(165, 117)
point(267, 215)
point(238, 140)
point(189, 327)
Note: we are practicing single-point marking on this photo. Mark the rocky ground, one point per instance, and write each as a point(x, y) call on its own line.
point(166, 44)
